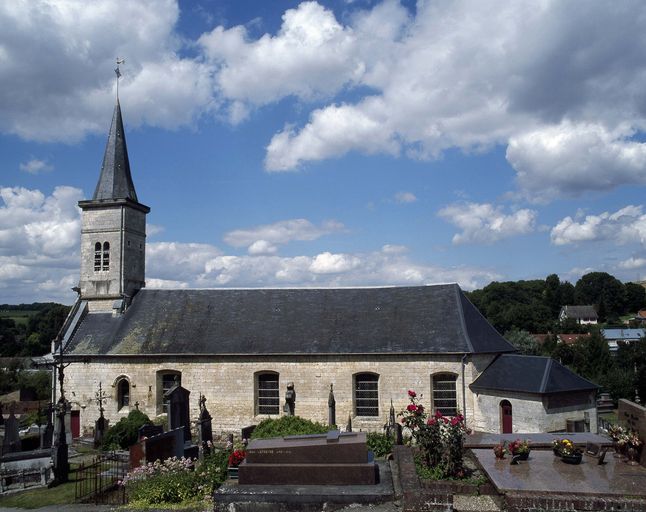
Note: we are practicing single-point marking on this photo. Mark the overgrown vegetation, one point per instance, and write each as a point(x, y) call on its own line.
point(287, 426)
point(14, 377)
point(28, 329)
point(380, 444)
point(125, 432)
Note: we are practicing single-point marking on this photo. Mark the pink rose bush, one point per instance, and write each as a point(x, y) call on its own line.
point(440, 438)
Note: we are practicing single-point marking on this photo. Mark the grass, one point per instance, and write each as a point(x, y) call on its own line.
point(41, 497)
point(20, 317)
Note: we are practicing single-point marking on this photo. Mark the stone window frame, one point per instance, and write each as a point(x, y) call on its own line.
point(118, 392)
point(262, 409)
point(445, 410)
point(105, 257)
point(161, 389)
point(369, 382)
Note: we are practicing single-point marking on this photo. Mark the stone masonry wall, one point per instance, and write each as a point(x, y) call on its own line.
point(229, 384)
point(529, 413)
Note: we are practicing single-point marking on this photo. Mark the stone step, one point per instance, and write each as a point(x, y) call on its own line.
point(484, 503)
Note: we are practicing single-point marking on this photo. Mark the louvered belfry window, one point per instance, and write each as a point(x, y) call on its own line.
point(445, 398)
point(366, 394)
point(268, 394)
point(97, 256)
point(106, 256)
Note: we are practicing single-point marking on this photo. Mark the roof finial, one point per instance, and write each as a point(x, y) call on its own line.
point(118, 73)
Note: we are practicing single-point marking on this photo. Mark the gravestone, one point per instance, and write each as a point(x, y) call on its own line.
point(205, 430)
point(100, 428)
point(11, 442)
point(158, 447)
point(319, 459)
point(1, 415)
point(246, 432)
point(47, 434)
point(331, 408)
point(348, 427)
point(178, 410)
point(633, 416)
point(149, 430)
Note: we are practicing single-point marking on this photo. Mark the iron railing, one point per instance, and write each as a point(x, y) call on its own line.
point(98, 481)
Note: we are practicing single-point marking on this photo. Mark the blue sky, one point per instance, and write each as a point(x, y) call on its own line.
point(346, 143)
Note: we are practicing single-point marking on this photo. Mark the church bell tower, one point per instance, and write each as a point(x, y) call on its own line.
point(113, 230)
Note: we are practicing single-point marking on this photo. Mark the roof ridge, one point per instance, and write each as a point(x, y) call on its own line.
point(463, 323)
point(548, 369)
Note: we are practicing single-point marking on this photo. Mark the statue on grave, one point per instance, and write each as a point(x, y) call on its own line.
point(290, 400)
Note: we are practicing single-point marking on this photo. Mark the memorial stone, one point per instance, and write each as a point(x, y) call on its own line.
point(246, 432)
point(11, 442)
point(319, 459)
point(205, 430)
point(290, 400)
point(1, 415)
point(149, 430)
point(178, 410)
point(47, 434)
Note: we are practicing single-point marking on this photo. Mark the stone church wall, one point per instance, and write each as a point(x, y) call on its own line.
point(229, 385)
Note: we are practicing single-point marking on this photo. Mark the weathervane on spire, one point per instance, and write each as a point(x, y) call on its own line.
point(118, 73)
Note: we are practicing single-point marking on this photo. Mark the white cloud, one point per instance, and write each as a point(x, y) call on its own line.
point(571, 159)
point(565, 94)
point(328, 263)
point(262, 239)
point(632, 263)
point(486, 223)
point(405, 197)
point(625, 226)
point(36, 166)
point(39, 237)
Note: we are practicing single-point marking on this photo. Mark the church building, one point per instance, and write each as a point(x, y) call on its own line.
point(241, 347)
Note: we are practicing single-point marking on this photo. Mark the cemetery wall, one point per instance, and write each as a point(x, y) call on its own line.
point(530, 413)
point(229, 385)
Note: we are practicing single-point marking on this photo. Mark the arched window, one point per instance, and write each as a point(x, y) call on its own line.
point(166, 379)
point(123, 393)
point(106, 256)
point(97, 256)
point(366, 394)
point(267, 393)
point(444, 393)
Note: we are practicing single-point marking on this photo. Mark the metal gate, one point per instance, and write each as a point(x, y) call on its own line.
point(98, 481)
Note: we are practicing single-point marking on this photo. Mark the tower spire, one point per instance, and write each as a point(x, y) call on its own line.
point(118, 73)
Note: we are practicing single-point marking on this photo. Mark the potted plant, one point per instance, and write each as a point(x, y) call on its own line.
point(499, 451)
point(520, 448)
point(235, 459)
point(633, 442)
point(569, 453)
point(616, 433)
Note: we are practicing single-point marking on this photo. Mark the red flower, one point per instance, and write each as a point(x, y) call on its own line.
point(236, 457)
point(438, 414)
point(455, 421)
point(420, 408)
point(412, 393)
point(411, 408)
point(431, 422)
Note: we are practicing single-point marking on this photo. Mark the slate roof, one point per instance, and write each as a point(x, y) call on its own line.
point(424, 319)
point(115, 181)
point(579, 312)
point(623, 334)
point(529, 374)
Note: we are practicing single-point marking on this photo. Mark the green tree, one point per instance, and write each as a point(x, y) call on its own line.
point(635, 297)
point(600, 287)
point(523, 341)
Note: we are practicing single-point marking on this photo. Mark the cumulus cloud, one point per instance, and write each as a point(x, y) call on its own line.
point(263, 239)
point(632, 263)
point(36, 166)
point(486, 223)
point(627, 225)
point(571, 159)
point(405, 197)
point(565, 94)
point(39, 256)
point(39, 237)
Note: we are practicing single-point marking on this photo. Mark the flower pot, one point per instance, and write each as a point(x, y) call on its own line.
point(572, 459)
point(632, 456)
point(232, 472)
point(523, 456)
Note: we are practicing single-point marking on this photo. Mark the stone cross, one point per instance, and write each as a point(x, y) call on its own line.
point(11, 442)
point(205, 430)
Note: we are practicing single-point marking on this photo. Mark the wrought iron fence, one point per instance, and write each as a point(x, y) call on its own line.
point(98, 481)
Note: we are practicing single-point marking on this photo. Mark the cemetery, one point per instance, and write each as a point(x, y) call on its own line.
point(419, 460)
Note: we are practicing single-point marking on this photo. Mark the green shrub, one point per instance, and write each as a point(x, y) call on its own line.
point(380, 444)
point(287, 426)
point(176, 480)
point(125, 432)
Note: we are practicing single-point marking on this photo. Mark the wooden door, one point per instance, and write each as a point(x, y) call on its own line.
point(506, 417)
point(75, 424)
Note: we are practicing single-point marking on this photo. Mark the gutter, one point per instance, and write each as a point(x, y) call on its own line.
point(464, 392)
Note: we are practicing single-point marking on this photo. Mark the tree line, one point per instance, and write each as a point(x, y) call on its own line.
point(33, 337)
point(520, 308)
